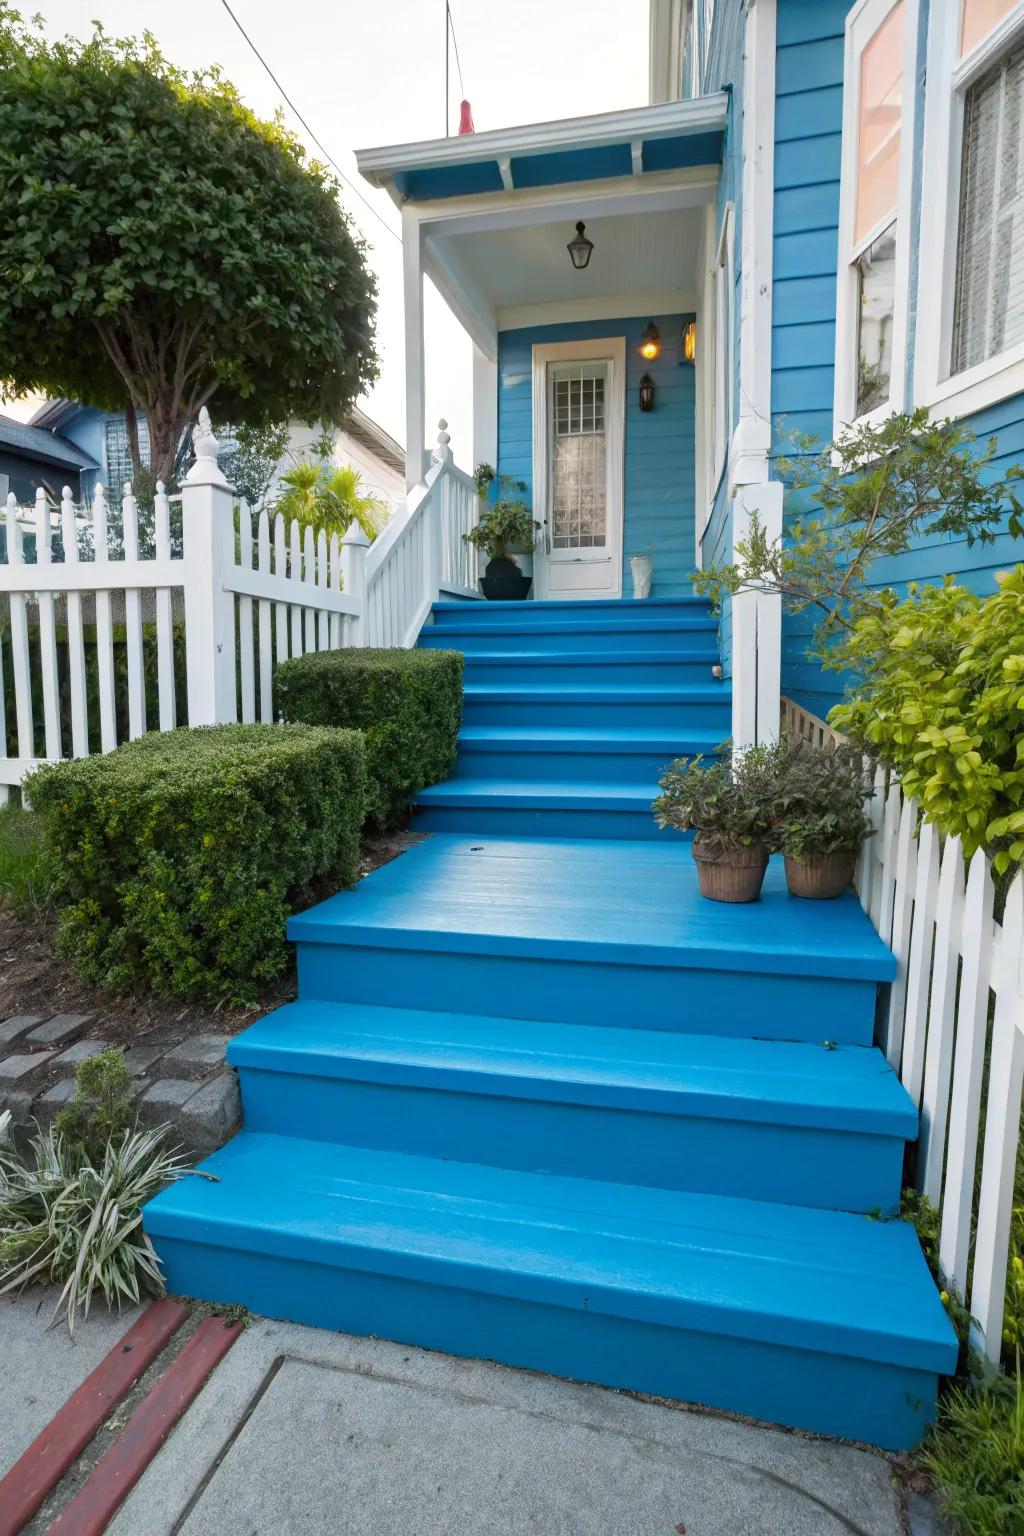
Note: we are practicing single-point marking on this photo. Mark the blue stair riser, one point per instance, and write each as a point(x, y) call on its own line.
point(668, 670)
point(572, 612)
point(703, 715)
point(796, 1165)
point(699, 637)
point(528, 821)
point(807, 1389)
point(734, 1003)
point(598, 766)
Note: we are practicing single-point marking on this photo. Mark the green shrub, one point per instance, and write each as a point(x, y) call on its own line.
point(819, 804)
point(728, 802)
point(101, 1109)
point(408, 704)
point(942, 700)
point(175, 856)
point(25, 883)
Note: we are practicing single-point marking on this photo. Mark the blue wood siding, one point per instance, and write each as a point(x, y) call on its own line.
point(659, 467)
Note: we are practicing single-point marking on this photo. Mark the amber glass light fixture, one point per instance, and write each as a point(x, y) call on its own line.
point(647, 393)
point(690, 342)
point(580, 248)
point(650, 342)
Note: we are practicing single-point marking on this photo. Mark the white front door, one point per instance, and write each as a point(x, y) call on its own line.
point(579, 440)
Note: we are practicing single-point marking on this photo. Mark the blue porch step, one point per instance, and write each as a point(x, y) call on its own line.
point(617, 754)
point(705, 707)
point(768, 1120)
point(537, 808)
point(590, 668)
point(692, 631)
point(584, 931)
point(571, 611)
point(819, 1319)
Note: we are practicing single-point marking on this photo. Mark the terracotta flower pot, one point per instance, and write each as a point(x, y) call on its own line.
point(729, 874)
point(821, 876)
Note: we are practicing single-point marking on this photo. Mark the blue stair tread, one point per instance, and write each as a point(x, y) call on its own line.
point(640, 693)
point(604, 901)
point(591, 624)
point(850, 1088)
point(555, 795)
point(595, 658)
point(633, 607)
point(817, 1280)
point(590, 738)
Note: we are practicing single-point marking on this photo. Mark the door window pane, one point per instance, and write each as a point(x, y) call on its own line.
point(989, 308)
point(579, 458)
point(979, 17)
point(878, 134)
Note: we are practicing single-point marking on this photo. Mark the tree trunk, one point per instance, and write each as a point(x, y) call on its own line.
point(131, 424)
point(165, 429)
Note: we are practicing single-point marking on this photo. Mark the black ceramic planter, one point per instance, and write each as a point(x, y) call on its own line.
point(504, 582)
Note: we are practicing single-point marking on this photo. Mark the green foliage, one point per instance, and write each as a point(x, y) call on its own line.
point(166, 247)
point(25, 883)
point(176, 857)
point(941, 699)
point(251, 457)
point(976, 1455)
point(92, 684)
point(819, 803)
point(870, 494)
point(728, 802)
point(407, 704)
point(79, 1224)
point(101, 1110)
point(329, 497)
point(506, 523)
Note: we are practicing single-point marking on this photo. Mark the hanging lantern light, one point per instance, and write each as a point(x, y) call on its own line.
point(647, 393)
point(580, 248)
point(650, 342)
point(690, 342)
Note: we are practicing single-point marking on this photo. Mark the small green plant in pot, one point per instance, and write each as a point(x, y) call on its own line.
point(819, 818)
point(504, 525)
point(728, 805)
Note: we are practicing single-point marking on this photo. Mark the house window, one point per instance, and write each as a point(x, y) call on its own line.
point(970, 327)
point(118, 456)
point(876, 169)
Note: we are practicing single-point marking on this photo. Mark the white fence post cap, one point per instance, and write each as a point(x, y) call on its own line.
point(355, 535)
point(205, 470)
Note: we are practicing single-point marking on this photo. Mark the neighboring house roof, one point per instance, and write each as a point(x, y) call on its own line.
point(34, 442)
point(375, 440)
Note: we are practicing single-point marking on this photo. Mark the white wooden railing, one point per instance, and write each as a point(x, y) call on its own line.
point(248, 593)
point(958, 998)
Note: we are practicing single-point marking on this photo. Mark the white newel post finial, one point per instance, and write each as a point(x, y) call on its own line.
point(208, 532)
point(355, 547)
point(444, 438)
point(205, 470)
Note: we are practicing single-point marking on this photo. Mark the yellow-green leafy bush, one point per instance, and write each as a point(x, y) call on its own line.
point(175, 858)
point(941, 699)
point(408, 704)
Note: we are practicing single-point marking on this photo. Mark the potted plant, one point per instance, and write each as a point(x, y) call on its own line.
point(819, 818)
point(504, 525)
point(641, 568)
point(728, 803)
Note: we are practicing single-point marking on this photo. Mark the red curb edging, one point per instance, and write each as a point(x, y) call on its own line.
point(119, 1470)
point(40, 1468)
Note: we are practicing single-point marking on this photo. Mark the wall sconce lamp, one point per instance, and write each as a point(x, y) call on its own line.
point(580, 248)
point(650, 342)
point(647, 393)
point(690, 342)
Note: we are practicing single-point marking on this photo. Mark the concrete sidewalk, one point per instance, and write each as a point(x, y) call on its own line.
point(302, 1431)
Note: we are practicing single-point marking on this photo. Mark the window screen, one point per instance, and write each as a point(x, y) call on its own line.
point(119, 461)
point(579, 458)
point(988, 315)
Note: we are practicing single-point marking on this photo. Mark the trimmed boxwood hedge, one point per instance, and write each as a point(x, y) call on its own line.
point(408, 704)
point(175, 857)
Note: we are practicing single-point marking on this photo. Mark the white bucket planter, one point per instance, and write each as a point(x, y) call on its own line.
point(642, 569)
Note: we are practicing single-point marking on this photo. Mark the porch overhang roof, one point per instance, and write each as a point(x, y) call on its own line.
point(671, 136)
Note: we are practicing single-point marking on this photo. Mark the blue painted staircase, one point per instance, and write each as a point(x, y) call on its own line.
point(540, 1103)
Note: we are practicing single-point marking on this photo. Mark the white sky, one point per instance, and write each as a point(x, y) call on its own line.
point(371, 72)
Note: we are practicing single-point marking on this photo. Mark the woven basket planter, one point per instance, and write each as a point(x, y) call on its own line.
point(729, 874)
point(821, 876)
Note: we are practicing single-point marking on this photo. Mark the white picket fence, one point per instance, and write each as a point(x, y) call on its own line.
point(248, 593)
point(957, 1001)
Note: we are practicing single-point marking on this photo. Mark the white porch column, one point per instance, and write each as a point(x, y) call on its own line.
point(415, 396)
point(485, 408)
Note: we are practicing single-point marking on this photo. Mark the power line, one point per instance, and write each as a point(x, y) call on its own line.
point(330, 160)
point(455, 42)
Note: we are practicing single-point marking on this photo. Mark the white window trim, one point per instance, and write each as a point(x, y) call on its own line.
point(862, 23)
point(997, 377)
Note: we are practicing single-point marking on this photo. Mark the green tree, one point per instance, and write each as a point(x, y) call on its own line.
point(251, 457)
point(867, 495)
point(330, 497)
point(162, 248)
